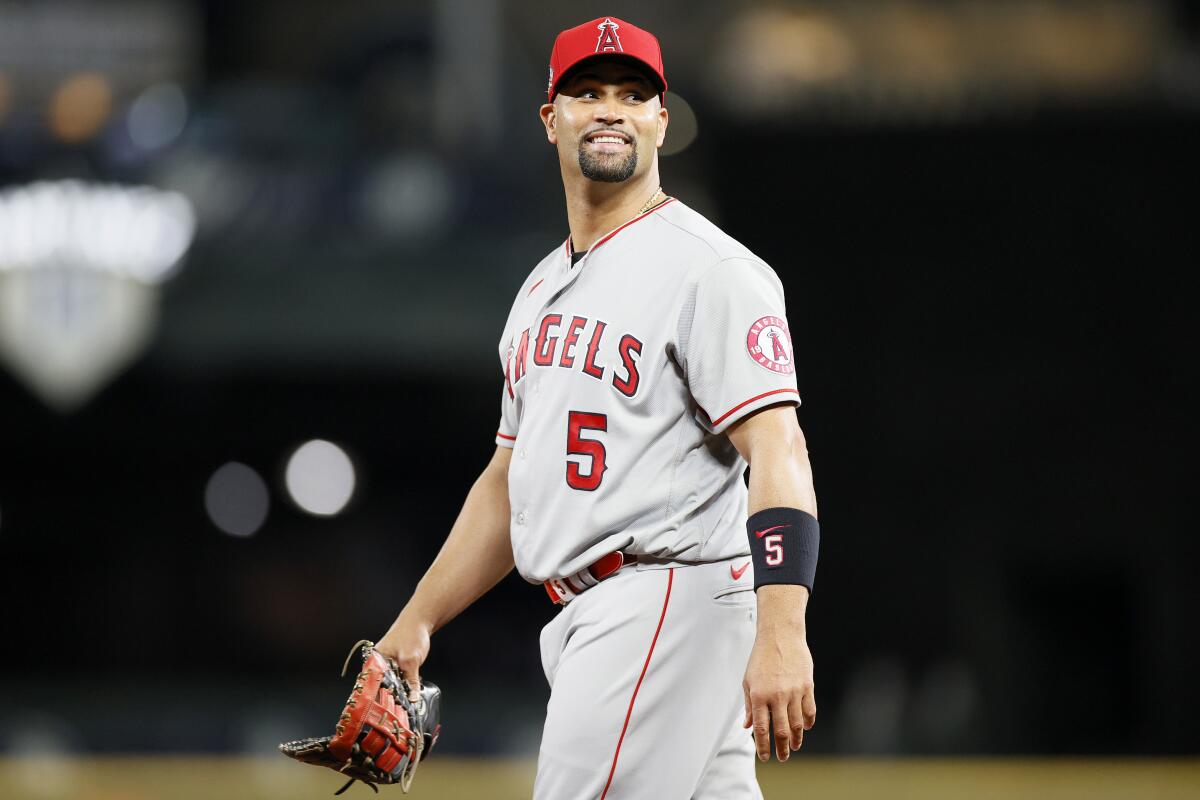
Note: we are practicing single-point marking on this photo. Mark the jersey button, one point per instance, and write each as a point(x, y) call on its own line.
point(522, 452)
point(521, 518)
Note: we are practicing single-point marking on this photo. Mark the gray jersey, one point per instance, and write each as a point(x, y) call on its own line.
point(621, 374)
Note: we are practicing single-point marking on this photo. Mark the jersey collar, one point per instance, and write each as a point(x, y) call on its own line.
point(609, 235)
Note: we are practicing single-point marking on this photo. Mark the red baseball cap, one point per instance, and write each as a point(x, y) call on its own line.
point(606, 37)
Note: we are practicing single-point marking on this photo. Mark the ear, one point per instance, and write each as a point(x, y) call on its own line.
point(663, 119)
point(549, 117)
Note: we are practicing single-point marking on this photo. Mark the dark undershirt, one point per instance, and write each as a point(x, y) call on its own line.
point(576, 256)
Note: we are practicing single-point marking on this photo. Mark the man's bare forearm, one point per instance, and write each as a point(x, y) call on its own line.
point(779, 689)
point(477, 553)
point(780, 476)
point(780, 473)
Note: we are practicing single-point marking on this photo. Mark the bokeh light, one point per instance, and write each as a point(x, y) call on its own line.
point(135, 232)
point(157, 116)
point(80, 107)
point(6, 95)
point(409, 195)
point(320, 477)
point(683, 128)
point(236, 499)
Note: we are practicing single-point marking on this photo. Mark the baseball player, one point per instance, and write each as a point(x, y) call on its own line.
point(646, 361)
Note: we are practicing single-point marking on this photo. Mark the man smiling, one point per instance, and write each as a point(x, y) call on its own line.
point(646, 362)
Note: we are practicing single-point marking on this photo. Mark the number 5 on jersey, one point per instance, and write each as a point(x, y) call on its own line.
point(577, 445)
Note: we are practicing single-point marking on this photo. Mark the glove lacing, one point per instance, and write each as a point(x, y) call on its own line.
point(365, 646)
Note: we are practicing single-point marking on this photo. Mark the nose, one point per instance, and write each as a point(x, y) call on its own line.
point(610, 112)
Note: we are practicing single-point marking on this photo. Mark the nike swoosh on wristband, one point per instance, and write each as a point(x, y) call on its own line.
point(765, 531)
point(738, 573)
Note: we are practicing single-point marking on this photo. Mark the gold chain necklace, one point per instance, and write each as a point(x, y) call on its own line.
point(649, 205)
point(651, 202)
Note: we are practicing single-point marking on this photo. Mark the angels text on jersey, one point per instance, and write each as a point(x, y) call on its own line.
point(558, 345)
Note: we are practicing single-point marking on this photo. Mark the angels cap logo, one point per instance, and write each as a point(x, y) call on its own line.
point(770, 345)
point(550, 85)
point(609, 42)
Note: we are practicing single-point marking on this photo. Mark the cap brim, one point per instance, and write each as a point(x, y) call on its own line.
point(644, 68)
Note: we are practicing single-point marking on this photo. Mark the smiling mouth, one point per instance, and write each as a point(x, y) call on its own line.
point(607, 138)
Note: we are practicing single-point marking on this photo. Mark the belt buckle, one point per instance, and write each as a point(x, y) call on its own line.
point(563, 590)
point(560, 593)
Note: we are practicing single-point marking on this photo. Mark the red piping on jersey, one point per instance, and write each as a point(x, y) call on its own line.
point(666, 202)
point(504, 436)
point(654, 641)
point(719, 419)
point(531, 288)
point(615, 231)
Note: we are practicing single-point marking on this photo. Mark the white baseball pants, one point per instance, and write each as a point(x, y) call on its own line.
point(646, 700)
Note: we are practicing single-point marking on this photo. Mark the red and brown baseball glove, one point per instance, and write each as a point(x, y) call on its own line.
point(381, 735)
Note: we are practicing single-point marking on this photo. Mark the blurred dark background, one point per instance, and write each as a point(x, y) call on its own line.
point(984, 219)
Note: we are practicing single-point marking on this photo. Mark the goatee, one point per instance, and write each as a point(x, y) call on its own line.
point(606, 167)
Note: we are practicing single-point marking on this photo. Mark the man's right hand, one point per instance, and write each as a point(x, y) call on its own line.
point(407, 643)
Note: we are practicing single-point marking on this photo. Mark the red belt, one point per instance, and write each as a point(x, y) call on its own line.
point(564, 590)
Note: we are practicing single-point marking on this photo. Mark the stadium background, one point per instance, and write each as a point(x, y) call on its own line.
point(983, 218)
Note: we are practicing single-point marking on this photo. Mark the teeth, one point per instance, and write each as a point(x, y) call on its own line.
point(608, 139)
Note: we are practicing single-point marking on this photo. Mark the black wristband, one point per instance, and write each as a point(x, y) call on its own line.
point(784, 544)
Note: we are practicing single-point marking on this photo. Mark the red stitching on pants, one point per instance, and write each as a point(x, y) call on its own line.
point(646, 666)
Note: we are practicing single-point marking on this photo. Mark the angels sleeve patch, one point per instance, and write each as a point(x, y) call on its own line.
point(770, 345)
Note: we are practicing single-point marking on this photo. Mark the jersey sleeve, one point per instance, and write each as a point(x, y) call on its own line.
point(510, 420)
point(734, 337)
point(506, 431)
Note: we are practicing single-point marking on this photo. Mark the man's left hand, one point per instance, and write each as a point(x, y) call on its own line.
point(779, 678)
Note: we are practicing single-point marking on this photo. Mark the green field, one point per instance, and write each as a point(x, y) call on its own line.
point(186, 778)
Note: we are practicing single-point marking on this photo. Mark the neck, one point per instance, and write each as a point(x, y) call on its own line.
point(595, 208)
